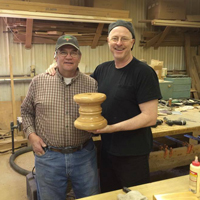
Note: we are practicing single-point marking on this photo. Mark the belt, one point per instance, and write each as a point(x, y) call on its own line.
point(70, 149)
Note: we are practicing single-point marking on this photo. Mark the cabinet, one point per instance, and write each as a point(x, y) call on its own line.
point(181, 87)
point(166, 88)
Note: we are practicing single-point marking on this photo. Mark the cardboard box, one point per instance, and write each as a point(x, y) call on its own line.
point(110, 4)
point(166, 9)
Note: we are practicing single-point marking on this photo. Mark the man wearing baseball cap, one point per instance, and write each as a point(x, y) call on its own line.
point(132, 91)
point(62, 152)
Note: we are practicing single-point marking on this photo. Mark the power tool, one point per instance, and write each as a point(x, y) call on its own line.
point(172, 122)
point(158, 122)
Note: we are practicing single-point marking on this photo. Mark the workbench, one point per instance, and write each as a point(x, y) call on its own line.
point(181, 156)
point(173, 185)
point(192, 118)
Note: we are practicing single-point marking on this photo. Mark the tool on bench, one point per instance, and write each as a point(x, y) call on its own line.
point(131, 195)
point(186, 119)
point(158, 122)
point(172, 122)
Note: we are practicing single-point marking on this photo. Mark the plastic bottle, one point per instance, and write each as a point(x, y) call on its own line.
point(170, 102)
point(194, 177)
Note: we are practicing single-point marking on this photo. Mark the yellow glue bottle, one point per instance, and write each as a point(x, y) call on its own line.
point(194, 177)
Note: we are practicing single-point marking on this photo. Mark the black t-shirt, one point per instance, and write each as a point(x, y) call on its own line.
point(125, 89)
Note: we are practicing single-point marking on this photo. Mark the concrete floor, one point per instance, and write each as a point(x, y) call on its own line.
point(13, 184)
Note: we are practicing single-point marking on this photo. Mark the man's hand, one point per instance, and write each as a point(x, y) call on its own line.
point(107, 129)
point(37, 144)
point(52, 69)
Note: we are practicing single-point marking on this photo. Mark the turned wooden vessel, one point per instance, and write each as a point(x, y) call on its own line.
point(90, 111)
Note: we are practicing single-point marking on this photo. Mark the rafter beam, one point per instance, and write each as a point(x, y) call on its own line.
point(152, 41)
point(29, 33)
point(187, 54)
point(97, 35)
point(162, 37)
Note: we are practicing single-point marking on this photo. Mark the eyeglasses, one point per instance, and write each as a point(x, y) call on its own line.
point(122, 39)
point(73, 54)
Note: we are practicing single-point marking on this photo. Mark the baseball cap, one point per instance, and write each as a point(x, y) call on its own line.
point(67, 39)
point(123, 23)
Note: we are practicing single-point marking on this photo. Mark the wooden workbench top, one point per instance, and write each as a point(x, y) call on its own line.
point(173, 185)
point(192, 118)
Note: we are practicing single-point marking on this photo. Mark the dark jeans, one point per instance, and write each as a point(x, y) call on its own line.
point(117, 172)
point(53, 170)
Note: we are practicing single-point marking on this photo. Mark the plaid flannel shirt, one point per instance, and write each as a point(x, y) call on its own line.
point(50, 111)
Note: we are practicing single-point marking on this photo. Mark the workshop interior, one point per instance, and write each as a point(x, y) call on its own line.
point(167, 38)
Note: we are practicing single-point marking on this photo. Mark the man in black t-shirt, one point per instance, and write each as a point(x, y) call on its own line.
point(132, 91)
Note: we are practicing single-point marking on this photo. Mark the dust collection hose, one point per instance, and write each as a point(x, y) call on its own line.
point(15, 155)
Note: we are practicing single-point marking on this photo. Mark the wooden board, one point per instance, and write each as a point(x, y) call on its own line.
point(12, 91)
point(172, 39)
point(197, 63)
point(176, 196)
point(88, 34)
point(193, 18)
point(162, 37)
point(66, 2)
point(84, 41)
point(175, 23)
point(6, 114)
point(6, 144)
point(119, 4)
point(172, 185)
point(192, 118)
point(153, 40)
point(195, 77)
point(159, 160)
point(63, 9)
point(29, 33)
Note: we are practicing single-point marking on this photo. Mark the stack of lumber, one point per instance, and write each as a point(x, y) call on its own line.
point(65, 9)
point(49, 31)
point(195, 75)
point(176, 37)
point(171, 32)
point(40, 23)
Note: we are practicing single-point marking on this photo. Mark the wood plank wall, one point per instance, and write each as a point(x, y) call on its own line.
point(6, 115)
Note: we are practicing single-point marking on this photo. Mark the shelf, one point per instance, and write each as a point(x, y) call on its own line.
point(172, 23)
point(34, 12)
point(57, 17)
point(170, 33)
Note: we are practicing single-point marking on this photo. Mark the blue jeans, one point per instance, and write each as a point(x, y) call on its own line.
point(53, 170)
